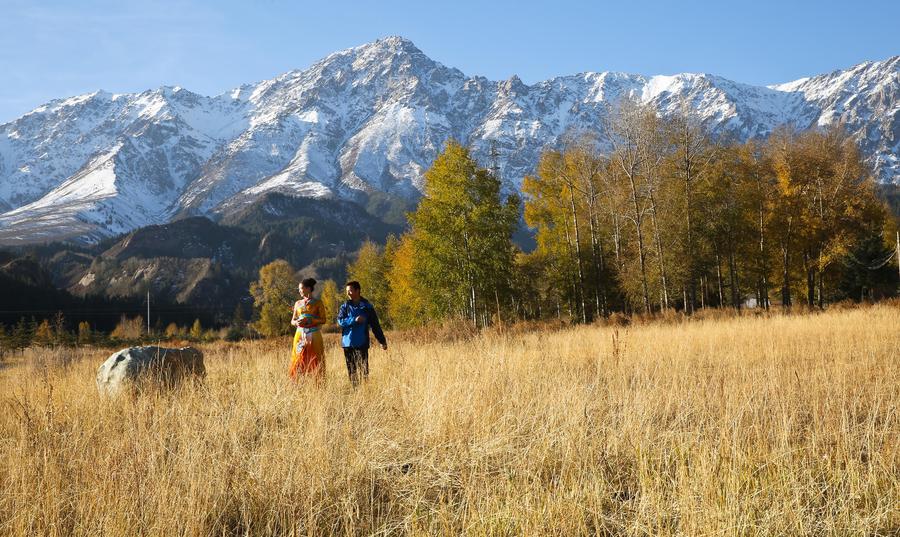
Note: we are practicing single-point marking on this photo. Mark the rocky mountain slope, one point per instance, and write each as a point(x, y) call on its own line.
point(197, 261)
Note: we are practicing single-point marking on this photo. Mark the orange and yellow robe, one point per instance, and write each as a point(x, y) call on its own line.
point(308, 351)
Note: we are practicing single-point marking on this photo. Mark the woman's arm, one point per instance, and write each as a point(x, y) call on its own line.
point(294, 315)
point(319, 319)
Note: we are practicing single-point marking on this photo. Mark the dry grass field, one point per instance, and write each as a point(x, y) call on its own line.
point(744, 426)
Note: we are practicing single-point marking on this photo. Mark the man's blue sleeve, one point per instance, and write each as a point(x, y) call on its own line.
point(345, 320)
point(376, 326)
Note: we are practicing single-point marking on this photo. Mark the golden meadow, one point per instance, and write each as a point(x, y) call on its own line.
point(769, 425)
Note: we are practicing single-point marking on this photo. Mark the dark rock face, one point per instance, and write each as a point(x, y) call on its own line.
point(26, 271)
point(190, 238)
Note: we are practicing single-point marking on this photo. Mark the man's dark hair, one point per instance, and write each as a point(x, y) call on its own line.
point(309, 282)
point(353, 284)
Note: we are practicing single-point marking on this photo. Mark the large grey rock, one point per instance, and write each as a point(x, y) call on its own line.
point(149, 367)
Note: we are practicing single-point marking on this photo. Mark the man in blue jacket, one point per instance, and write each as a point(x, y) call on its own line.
point(356, 316)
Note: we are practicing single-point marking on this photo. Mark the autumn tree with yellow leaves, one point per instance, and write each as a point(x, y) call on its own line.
point(274, 294)
point(665, 217)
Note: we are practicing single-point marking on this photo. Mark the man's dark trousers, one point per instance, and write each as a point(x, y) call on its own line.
point(357, 364)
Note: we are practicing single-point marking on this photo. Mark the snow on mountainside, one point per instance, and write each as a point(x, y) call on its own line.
point(364, 120)
point(866, 98)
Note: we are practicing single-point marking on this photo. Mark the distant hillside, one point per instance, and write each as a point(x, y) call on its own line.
point(28, 293)
point(195, 264)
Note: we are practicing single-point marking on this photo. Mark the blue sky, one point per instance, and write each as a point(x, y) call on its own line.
point(51, 48)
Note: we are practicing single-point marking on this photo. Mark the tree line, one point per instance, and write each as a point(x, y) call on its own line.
point(646, 215)
point(59, 331)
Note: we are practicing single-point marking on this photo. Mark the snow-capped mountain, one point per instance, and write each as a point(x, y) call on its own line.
point(865, 98)
point(364, 120)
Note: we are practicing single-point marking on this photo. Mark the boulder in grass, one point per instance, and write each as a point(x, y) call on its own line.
point(149, 367)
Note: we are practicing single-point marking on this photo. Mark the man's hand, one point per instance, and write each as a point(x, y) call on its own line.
point(360, 319)
point(384, 346)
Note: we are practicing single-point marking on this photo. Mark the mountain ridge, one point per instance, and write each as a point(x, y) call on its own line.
point(362, 122)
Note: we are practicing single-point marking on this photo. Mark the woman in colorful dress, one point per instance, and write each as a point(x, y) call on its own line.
point(308, 352)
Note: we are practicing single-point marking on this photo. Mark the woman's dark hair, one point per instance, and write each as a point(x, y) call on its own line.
point(309, 282)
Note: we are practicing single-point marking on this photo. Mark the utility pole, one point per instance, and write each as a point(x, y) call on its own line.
point(494, 154)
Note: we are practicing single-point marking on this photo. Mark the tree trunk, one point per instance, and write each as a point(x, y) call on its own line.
point(719, 277)
point(785, 276)
point(569, 250)
point(584, 315)
point(659, 253)
point(761, 264)
point(596, 259)
point(640, 238)
point(596, 247)
point(617, 242)
point(702, 294)
point(473, 304)
point(604, 298)
point(688, 215)
point(821, 293)
point(733, 276)
point(810, 280)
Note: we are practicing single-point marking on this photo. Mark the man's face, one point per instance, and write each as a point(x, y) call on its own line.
point(352, 293)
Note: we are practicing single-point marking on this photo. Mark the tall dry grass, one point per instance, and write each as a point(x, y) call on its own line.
point(769, 426)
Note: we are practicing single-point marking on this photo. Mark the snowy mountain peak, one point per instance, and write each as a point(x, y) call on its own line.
point(858, 75)
point(393, 44)
point(365, 121)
